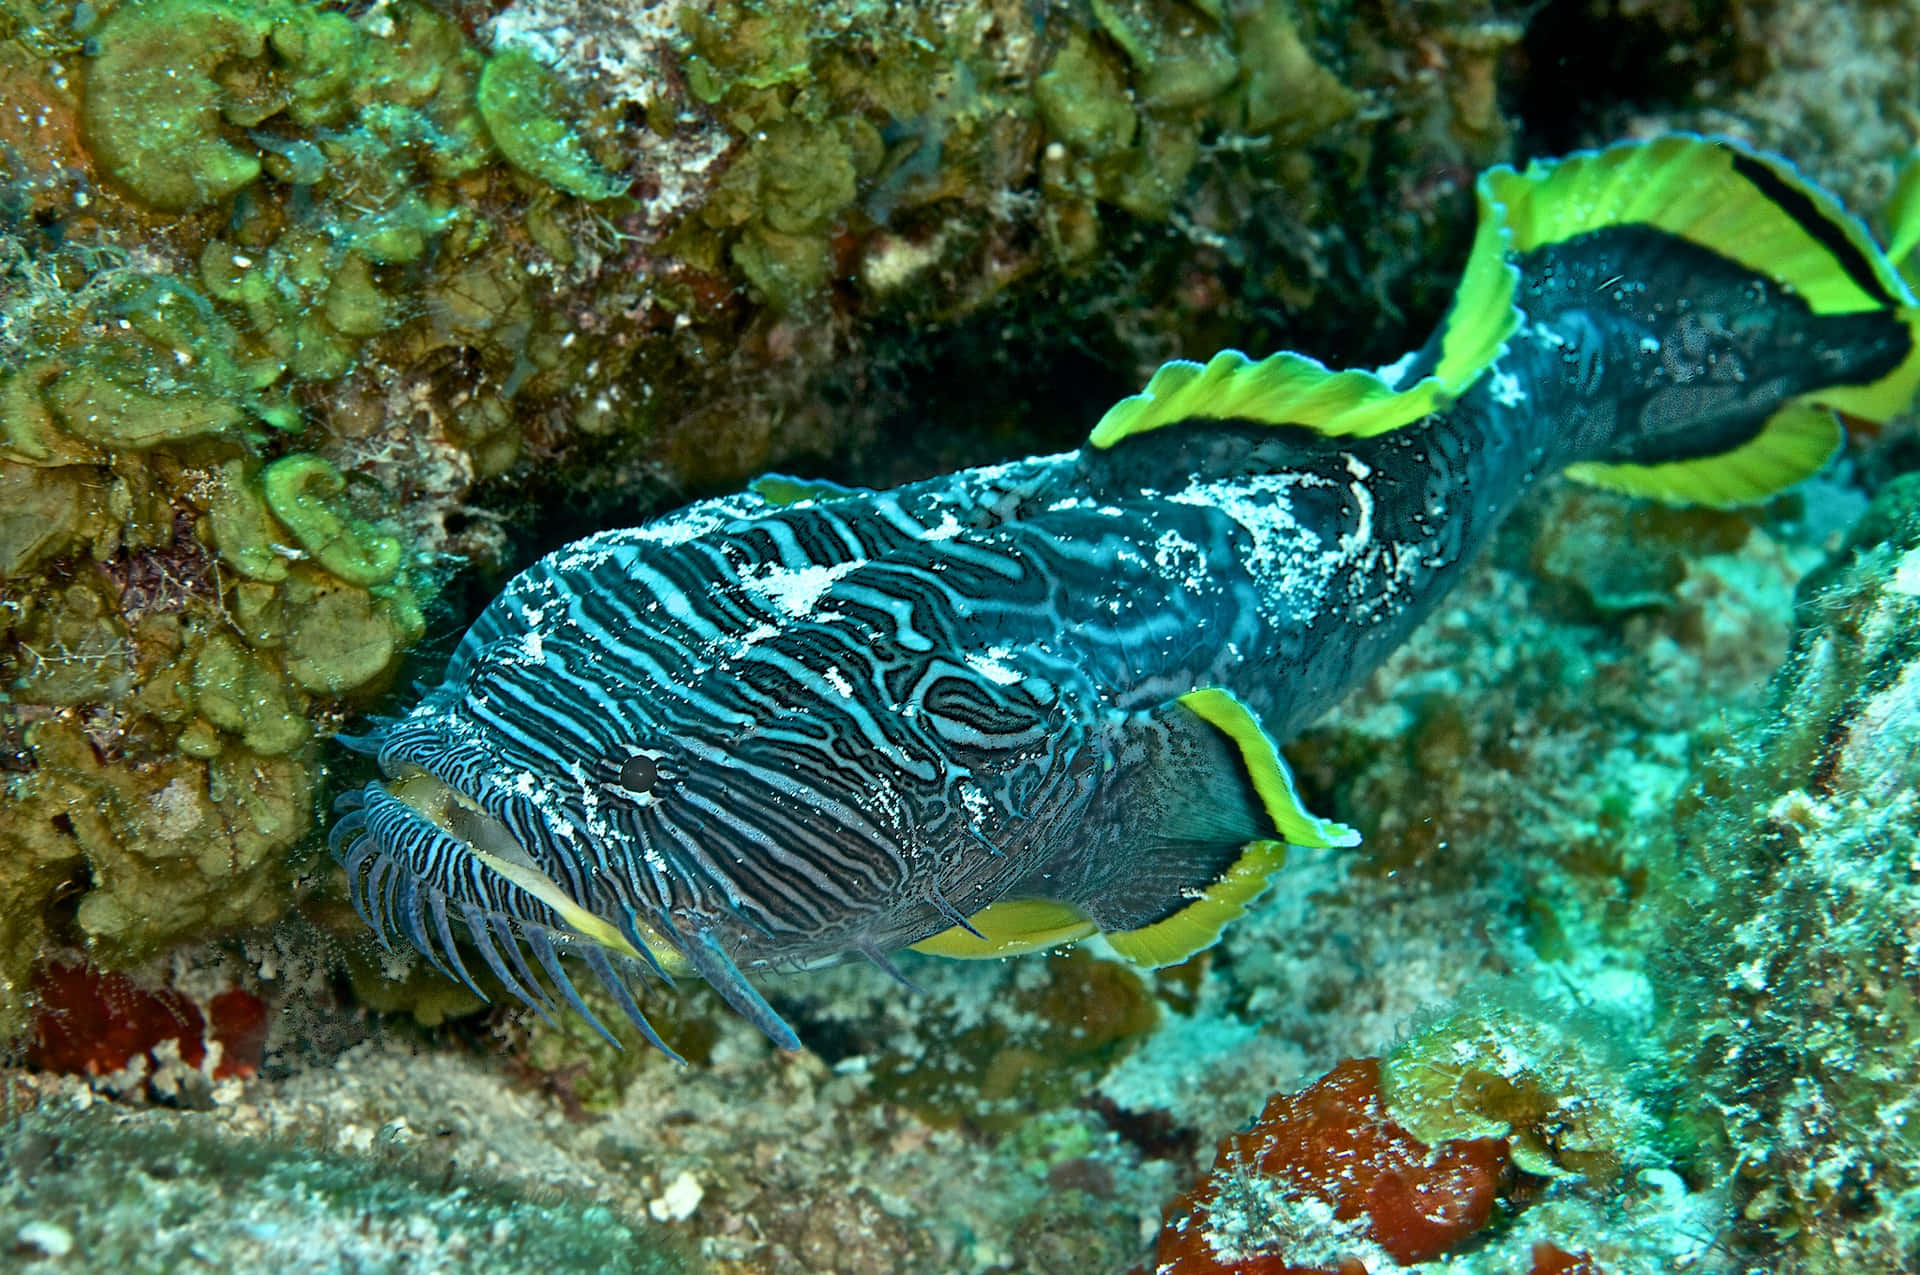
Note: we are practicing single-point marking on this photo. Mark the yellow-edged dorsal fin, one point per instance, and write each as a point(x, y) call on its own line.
point(1752, 209)
point(1292, 389)
point(1282, 389)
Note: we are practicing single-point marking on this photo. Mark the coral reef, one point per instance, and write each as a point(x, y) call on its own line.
point(289, 356)
point(94, 1024)
point(79, 1186)
point(1792, 972)
point(1327, 1175)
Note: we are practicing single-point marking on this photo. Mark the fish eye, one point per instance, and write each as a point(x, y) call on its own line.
point(639, 774)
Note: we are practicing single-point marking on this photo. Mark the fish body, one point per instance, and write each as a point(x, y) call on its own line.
point(1007, 707)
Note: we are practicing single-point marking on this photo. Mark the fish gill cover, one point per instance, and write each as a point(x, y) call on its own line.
point(347, 299)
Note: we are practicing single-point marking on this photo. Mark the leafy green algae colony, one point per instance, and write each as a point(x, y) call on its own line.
point(316, 319)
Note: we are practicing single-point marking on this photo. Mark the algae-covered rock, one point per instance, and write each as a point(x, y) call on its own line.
point(39, 509)
point(1180, 55)
point(1287, 95)
point(1550, 1080)
point(93, 1182)
point(174, 846)
point(239, 693)
point(1792, 956)
point(340, 637)
point(522, 103)
point(241, 527)
point(93, 405)
point(1065, 1022)
point(1083, 98)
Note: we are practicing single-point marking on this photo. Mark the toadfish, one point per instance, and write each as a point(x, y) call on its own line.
point(1006, 708)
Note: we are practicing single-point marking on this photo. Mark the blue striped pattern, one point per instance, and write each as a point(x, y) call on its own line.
point(866, 717)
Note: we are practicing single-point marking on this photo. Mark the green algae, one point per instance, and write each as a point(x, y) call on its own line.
point(1181, 57)
point(177, 82)
point(1539, 1078)
point(308, 301)
point(789, 270)
point(154, 118)
point(322, 52)
point(1083, 99)
point(421, 992)
point(246, 697)
point(29, 434)
point(174, 847)
point(93, 405)
point(340, 638)
point(241, 527)
point(1285, 94)
point(39, 511)
point(304, 492)
point(807, 176)
point(143, 364)
point(520, 99)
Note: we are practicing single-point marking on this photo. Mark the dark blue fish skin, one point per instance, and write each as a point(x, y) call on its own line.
point(773, 734)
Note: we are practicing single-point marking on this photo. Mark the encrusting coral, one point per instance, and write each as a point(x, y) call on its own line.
point(81, 1185)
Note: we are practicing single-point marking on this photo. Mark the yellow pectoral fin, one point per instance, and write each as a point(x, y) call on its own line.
point(1010, 927)
point(588, 925)
point(1795, 444)
point(1266, 769)
point(1197, 926)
